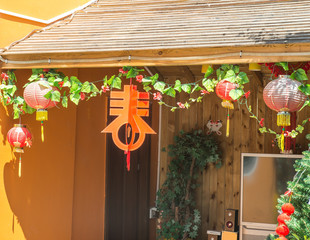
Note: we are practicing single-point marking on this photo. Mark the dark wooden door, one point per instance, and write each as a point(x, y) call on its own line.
point(127, 195)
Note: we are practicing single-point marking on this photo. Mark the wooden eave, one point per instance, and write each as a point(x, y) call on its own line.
point(174, 32)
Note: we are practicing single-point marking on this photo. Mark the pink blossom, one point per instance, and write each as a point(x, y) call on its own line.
point(122, 71)
point(261, 122)
point(181, 105)
point(203, 92)
point(105, 88)
point(4, 76)
point(157, 96)
point(247, 94)
point(139, 78)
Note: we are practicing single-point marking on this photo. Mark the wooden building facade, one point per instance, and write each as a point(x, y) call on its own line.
point(172, 38)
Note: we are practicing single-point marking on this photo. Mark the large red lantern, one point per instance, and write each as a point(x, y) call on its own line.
point(34, 96)
point(222, 90)
point(283, 96)
point(19, 137)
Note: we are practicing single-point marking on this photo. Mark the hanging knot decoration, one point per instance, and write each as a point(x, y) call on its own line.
point(222, 90)
point(129, 106)
point(282, 230)
point(19, 137)
point(34, 96)
point(283, 96)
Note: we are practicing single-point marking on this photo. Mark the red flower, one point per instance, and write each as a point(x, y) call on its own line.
point(61, 83)
point(82, 96)
point(157, 96)
point(105, 88)
point(139, 78)
point(8, 100)
point(181, 105)
point(261, 122)
point(122, 71)
point(247, 94)
point(203, 92)
point(22, 110)
point(42, 75)
point(4, 76)
point(46, 70)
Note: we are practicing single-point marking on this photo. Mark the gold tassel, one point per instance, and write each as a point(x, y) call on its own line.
point(42, 131)
point(283, 119)
point(227, 126)
point(20, 167)
point(282, 141)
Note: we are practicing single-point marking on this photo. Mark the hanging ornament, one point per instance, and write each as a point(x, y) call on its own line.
point(288, 208)
point(34, 96)
point(129, 106)
point(19, 137)
point(214, 126)
point(222, 90)
point(283, 217)
point(282, 95)
point(282, 230)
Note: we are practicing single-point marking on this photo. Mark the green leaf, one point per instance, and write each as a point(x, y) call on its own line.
point(147, 88)
point(93, 88)
point(299, 75)
point(186, 88)
point(293, 134)
point(169, 91)
point(64, 101)
point(236, 93)
point(271, 131)
point(209, 84)
point(66, 82)
point(33, 77)
point(300, 128)
point(116, 83)
point(263, 130)
point(230, 76)
point(177, 86)
point(284, 65)
point(48, 95)
point(154, 78)
point(209, 71)
point(44, 84)
point(110, 80)
point(187, 105)
point(86, 88)
point(55, 96)
point(243, 78)
point(132, 73)
point(159, 86)
point(28, 109)
point(236, 69)
point(305, 88)
point(75, 97)
point(196, 88)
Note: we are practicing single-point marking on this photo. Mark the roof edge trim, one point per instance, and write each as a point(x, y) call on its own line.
point(54, 19)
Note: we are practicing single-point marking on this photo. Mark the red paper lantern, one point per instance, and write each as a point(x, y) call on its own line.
point(282, 218)
point(288, 208)
point(282, 95)
point(282, 230)
point(222, 90)
point(34, 96)
point(19, 137)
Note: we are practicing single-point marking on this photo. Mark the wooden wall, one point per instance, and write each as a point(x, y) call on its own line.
point(220, 188)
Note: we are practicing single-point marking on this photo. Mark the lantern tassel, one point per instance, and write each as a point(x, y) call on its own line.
point(227, 126)
point(128, 160)
point(42, 131)
point(282, 141)
point(20, 166)
point(283, 119)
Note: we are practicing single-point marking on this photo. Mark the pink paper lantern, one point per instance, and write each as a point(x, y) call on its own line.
point(19, 137)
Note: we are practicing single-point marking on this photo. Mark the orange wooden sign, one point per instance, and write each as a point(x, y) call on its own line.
point(129, 106)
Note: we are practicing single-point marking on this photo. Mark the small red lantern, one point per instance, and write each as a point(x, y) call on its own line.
point(34, 96)
point(222, 90)
point(19, 137)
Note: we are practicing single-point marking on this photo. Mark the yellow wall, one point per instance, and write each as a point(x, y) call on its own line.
point(61, 194)
point(13, 28)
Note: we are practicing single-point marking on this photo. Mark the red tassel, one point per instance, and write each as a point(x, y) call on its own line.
point(128, 161)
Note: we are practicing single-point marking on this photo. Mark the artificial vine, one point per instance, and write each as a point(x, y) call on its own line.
point(71, 88)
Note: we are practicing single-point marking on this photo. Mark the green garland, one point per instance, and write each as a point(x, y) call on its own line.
point(191, 152)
